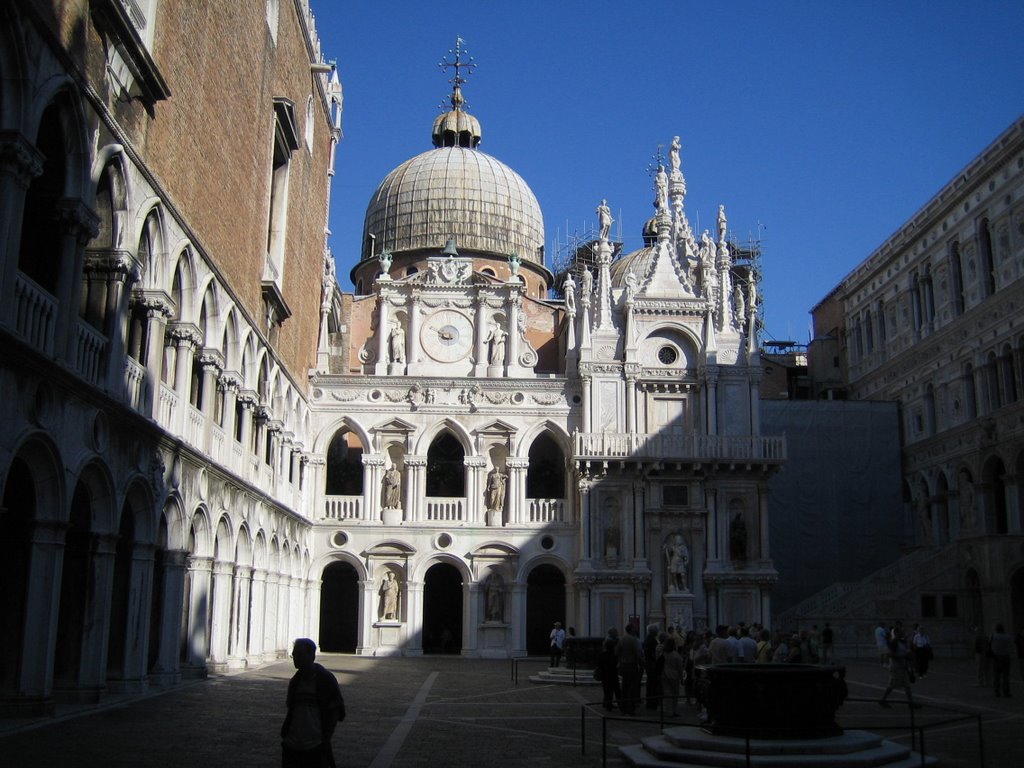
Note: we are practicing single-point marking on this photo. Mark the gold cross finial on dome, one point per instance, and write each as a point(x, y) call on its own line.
point(462, 61)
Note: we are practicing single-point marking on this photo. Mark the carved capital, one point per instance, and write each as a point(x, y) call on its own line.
point(19, 159)
point(75, 218)
point(185, 335)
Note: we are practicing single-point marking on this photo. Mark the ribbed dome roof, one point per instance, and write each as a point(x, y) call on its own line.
point(455, 191)
point(640, 261)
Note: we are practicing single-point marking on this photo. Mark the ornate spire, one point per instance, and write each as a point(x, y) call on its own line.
point(457, 128)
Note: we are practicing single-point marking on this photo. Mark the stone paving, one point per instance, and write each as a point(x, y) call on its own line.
point(447, 711)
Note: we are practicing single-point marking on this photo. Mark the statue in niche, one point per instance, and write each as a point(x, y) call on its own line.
point(738, 538)
point(677, 560)
point(612, 532)
point(388, 592)
point(495, 498)
point(588, 283)
point(496, 345)
point(396, 343)
point(722, 224)
point(495, 598)
point(391, 489)
point(673, 156)
point(569, 288)
point(604, 217)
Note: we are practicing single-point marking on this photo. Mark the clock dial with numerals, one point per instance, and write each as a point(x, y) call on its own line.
point(447, 335)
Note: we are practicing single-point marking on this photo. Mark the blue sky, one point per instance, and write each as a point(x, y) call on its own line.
point(821, 126)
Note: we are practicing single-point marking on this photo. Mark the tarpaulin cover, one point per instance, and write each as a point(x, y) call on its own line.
point(835, 509)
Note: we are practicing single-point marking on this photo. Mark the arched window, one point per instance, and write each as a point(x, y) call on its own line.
point(446, 472)
point(344, 465)
point(970, 394)
point(929, 410)
point(39, 257)
point(545, 477)
point(1007, 376)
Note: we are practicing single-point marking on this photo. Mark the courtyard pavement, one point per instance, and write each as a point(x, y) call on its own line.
point(442, 711)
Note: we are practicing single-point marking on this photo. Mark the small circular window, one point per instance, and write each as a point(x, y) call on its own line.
point(443, 541)
point(667, 355)
point(339, 539)
point(547, 542)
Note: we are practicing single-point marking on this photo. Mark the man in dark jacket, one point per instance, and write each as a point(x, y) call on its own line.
point(315, 706)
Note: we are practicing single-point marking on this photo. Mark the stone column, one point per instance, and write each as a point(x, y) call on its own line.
point(137, 622)
point(373, 474)
point(631, 398)
point(20, 163)
point(762, 505)
point(238, 645)
point(220, 627)
point(271, 629)
point(228, 384)
point(711, 401)
point(586, 545)
point(200, 573)
point(257, 614)
point(471, 619)
point(414, 617)
point(517, 619)
point(172, 577)
point(157, 313)
point(212, 363)
point(412, 338)
point(383, 328)
point(517, 468)
point(479, 334)
point(114, 271)
point(415, 488)
point(42, 592)
point(476, 490)
point(247, 399)
point(512, 361)
point(588, 383)
point(79, 225)
point(92, 672)
point(186, 338)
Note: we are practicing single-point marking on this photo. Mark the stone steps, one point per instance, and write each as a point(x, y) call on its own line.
point(563, 676)
point(692, 746)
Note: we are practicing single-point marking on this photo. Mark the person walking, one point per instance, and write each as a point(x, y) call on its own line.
point(1001, 643)
point(607, 670)
point(982, 657)
point(882, 643)
point(899, 668)
point(673, 672)
point(631, 668)
point(828, 637)
point(557, 638)
point(922, 651)
point(315, 707)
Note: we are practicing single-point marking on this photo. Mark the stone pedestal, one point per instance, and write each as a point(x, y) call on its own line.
point(494, 640)
point(679, 610)
point(389, 637)
point(494, 518)
point(391, 516)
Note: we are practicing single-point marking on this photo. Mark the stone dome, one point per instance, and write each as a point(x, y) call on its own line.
point(454, 191)
point(639, 261)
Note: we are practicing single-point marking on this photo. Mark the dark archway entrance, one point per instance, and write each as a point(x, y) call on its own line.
point(545, 604)
point(19, 501)
point(1017, 602)
point(442, 609)
point(339, 608)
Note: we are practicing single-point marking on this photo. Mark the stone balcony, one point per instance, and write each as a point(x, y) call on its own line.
point(691, 447)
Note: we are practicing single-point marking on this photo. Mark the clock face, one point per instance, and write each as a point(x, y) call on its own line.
point(447, 335)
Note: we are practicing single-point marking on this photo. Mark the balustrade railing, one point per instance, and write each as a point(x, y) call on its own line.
point(688, 447)
point(168, 405)
point(194, 426)
point(134, 379)
point(546, 511)
point(343, 507)
point(89, 352)
point(35, 314)
point(446, 509)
